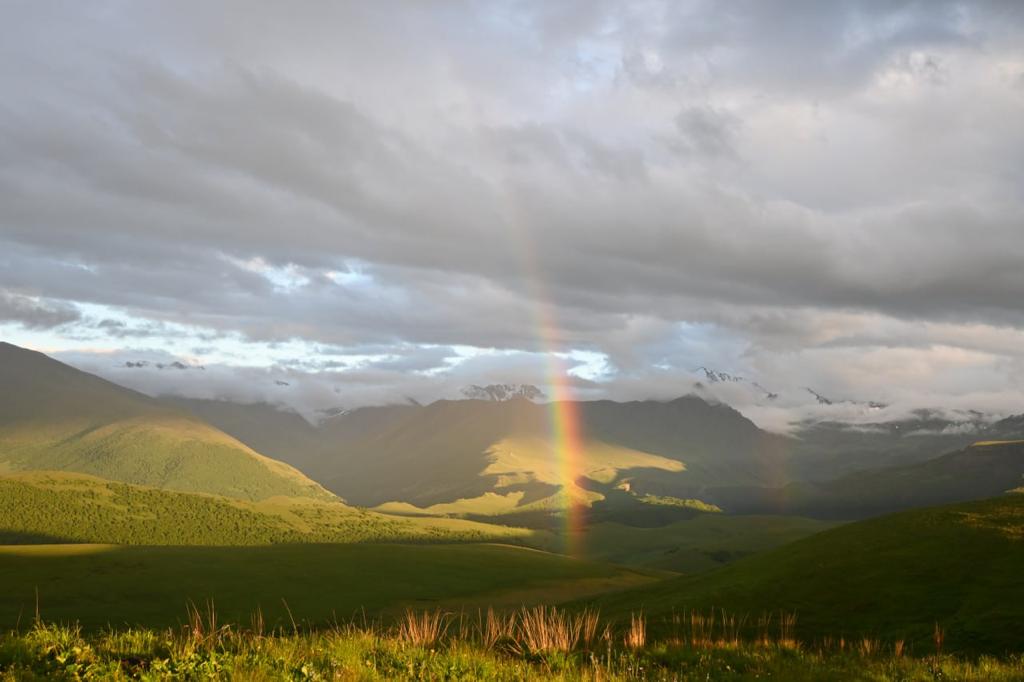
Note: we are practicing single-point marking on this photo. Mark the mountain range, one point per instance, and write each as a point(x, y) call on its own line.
point(496, 458)
point(487, 457)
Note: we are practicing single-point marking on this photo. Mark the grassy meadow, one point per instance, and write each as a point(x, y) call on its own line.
point(315, 584)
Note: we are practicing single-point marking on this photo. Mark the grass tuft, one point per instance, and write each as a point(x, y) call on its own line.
point(636, 635)
point(425, 628)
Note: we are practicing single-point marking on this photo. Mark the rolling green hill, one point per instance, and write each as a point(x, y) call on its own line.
point(54, 417)
point(101, 585)
point(49, 507)
point(981, 470)
point(896, 576)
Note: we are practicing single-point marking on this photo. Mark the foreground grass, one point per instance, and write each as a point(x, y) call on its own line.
point(531, 644)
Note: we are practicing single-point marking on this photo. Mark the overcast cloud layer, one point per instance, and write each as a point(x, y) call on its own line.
point(347, 203)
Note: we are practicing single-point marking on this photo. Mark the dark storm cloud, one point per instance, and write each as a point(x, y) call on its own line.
point(780, 177)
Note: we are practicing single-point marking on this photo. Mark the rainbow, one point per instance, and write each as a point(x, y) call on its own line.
point(563, 409)
point(567, 433)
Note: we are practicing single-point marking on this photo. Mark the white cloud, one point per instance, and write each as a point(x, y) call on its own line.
point(831, 197)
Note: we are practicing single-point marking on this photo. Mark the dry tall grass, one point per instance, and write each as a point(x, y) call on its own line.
point(494, 628)
point(201, 629)
point(636, 635)
point(787, 628)
point(938, 638)
point(869, 647)
point(423, 628)
point(542, 629)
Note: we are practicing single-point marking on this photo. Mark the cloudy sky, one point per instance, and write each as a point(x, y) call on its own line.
point(348, 203)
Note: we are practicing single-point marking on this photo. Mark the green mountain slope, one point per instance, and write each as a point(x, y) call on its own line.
point(59, 507)
point(981, 470)
point(893, 577)
point(275, 432)
point(54, 417)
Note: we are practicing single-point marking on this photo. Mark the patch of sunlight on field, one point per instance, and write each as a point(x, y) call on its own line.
point(56, 551)
point(987, 443)
point(602, 462)
point(520, 461)
point(488, 503)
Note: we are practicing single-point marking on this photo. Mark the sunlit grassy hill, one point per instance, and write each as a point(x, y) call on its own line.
point(54, 417)
point(894, 577)
point(270, 430)
point(49, 507)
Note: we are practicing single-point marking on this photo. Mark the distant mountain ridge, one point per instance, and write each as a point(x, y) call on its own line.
point(449, 451)
point(447, 455)
point(502, 392)
point(983, 469)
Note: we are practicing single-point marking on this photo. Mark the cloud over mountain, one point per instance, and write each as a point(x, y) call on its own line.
point(399, 202)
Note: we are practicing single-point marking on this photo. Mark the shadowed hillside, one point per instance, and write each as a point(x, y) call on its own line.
point(981, 470)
